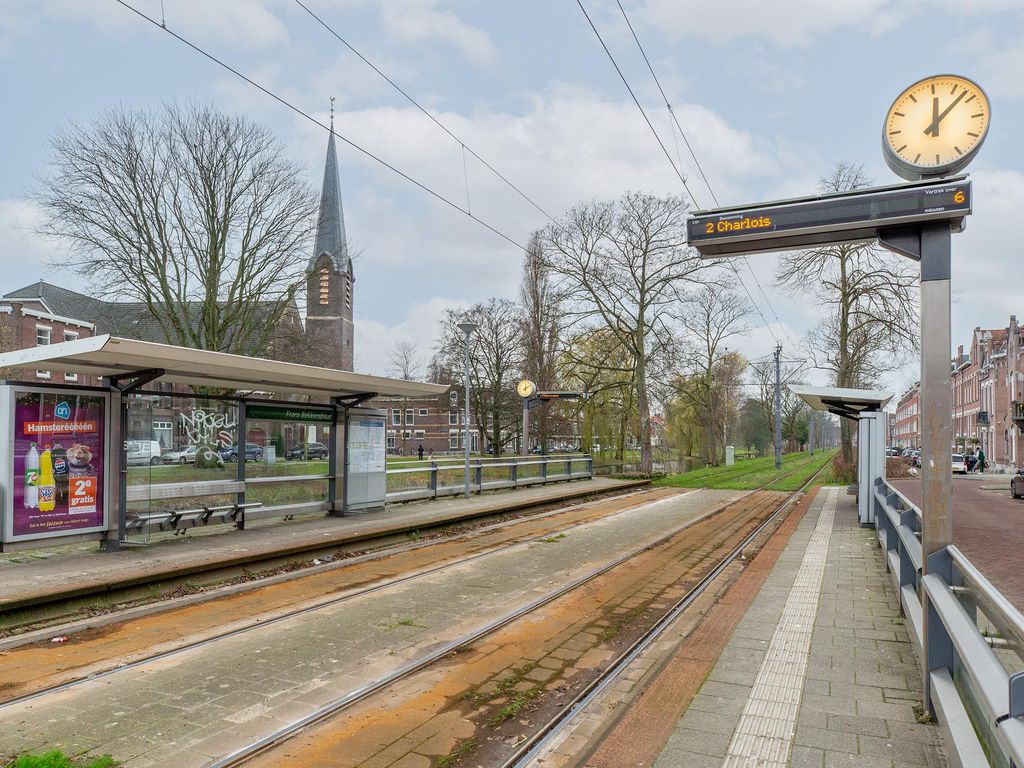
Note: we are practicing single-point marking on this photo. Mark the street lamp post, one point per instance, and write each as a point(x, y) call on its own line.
point(467, 328)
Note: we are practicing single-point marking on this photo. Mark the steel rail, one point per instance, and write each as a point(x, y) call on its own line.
point(258, 623)
point(280, 736)
point(533, 746)
point(283, 734)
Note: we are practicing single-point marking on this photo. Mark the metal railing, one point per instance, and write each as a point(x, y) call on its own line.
point(975, 663)
point(430, 479)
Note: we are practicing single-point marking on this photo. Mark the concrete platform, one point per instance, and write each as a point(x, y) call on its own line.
point(31, 578)
point(820, 672)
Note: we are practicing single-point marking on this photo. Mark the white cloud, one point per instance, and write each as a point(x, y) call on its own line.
point(784, 22)
point(789, 23)
point(419, 21)
point(987, 255)
point(23, 253)
point(375, 340)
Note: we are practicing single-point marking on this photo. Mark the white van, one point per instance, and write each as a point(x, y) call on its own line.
point(143, 452)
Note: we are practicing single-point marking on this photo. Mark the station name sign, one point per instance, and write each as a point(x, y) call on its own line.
point(845, 217)
point(288, 413)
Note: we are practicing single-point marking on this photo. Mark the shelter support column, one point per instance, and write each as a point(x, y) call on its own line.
point(117, 472)
point(936, 407)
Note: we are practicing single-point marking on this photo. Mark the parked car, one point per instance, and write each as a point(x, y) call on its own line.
point(253, 452)
point(184, 456)
point(893, 452)
point(307, 451)
point(143, 452)
point(959, 465)
point(1017, 484)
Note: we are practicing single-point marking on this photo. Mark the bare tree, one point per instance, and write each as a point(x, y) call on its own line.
point(622, 265)
point(710, 317)
point(496, 363)
point(869, 298)
point(543, 324)
point(197, 214)
point(406, 362)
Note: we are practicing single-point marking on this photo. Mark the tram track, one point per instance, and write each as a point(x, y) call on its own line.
point(559, 522)
point(265, 750)
point(554, 522)
point(532, 748)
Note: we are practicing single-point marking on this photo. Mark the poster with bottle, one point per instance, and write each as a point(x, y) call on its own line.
point(59, 449)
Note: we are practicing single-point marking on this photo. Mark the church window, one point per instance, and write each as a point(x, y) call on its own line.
point(325, 285)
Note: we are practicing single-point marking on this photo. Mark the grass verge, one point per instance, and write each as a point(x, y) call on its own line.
point(749, 474)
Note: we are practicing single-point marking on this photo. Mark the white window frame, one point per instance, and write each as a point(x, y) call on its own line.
point(423, 412)
point(410, 416)
point(419, 434)
point(453, 418)
point(453, 438)
point(49, 340)
point(396, 417)
point(453, 399)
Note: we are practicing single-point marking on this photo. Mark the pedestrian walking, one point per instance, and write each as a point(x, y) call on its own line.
point(419, 452)
point(981, 460)
point(971, 460)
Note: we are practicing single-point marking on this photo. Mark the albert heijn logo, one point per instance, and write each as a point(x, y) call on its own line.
point(62, 411)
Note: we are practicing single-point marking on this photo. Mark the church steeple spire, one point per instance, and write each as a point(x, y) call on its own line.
point(330, 227)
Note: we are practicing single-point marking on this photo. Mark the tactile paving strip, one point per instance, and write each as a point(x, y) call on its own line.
point(765, 731)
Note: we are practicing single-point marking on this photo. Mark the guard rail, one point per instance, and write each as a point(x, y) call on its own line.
point(446, 477)
point(975, 638)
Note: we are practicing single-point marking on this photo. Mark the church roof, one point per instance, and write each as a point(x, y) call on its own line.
point(330, 226)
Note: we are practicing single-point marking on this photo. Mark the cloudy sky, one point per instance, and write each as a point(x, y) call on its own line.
point(770, 94)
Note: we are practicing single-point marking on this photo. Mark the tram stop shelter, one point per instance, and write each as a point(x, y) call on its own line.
point(865, 407)
point(92, 462)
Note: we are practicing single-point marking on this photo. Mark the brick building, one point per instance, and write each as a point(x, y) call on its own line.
point(907, 429)
point(436, 423)
point(1000, 416)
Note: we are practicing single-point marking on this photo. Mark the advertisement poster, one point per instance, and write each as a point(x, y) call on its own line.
point(58, 462)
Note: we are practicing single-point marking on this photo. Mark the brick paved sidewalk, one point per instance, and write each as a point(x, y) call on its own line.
point(841, 694)
point(29, 577)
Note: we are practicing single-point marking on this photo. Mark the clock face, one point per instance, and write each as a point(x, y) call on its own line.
point(526, 388)
point(935, 126)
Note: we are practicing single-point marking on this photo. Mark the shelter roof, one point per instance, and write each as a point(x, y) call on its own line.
point(111, 356)
point(841, 401)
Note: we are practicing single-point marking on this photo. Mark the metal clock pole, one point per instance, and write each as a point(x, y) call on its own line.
point(936, 433)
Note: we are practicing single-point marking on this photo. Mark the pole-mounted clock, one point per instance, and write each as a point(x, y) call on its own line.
point(935, 127)
point(526, 388)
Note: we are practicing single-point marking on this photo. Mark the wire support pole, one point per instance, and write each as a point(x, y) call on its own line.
point(778, 406)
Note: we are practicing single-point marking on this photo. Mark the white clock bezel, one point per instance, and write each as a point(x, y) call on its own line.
point(907, 170)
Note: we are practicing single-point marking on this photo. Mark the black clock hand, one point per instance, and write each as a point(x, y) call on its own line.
point(933, 126)
point(933, 129)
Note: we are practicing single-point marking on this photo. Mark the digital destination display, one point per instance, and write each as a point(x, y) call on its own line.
point(832, 218)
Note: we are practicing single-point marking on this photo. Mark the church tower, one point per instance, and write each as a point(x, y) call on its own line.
point(329, 276)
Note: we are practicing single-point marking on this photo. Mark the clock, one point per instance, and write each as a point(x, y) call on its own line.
point(935, 127)
point(526, 388)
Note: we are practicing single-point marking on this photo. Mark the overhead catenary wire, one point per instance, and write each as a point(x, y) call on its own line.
point(297, 110)
point(636, 101)
point(424, 110)
point(707, 183)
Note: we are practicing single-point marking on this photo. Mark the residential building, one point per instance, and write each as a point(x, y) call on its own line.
point(436, 423)
point(1001, 391)
point(907, 430)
